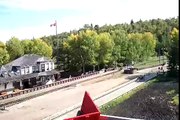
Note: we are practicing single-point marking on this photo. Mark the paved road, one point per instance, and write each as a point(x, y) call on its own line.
point(46, 105)
point(106, 96)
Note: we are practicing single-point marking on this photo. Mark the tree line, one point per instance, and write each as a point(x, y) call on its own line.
point(15, 48)
point(95, 47)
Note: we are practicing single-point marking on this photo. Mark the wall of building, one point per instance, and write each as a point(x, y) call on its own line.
point(2, 87)
point(22, 71)
point(49, 65)
point(9, 86)
point(30, 69)
point(52, 65)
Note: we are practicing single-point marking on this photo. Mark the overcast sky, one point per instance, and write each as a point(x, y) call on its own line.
point(32, 18)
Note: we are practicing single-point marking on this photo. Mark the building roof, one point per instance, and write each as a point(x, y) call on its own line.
point(26, 60)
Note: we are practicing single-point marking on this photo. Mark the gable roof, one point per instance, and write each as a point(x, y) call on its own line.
point(26, 60)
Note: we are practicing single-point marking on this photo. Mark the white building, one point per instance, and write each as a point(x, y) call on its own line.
point(27, 71)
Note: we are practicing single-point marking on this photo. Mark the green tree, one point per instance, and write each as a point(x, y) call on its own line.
point(4, 56)
point(149, 44)
point(27, 46)
point(134, 48)
point(120, 39)
point(82, 48)
point(105, 49)
point(173, 52)
point(41, 48)
point(140, 46)
point(14, 48)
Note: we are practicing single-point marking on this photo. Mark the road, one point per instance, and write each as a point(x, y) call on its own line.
point(48, 104)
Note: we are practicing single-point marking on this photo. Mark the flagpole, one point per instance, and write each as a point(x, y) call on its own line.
point(57, 44)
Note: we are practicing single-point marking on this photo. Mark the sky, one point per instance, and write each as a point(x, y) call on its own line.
point(27, 19)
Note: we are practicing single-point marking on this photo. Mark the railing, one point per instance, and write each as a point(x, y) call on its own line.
point(62, 81)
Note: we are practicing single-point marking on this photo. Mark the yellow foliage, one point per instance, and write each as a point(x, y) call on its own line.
point(74, 37)
point(175, 34)
point(65, 45)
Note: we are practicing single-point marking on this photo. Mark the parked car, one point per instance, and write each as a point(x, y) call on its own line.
point(131, 70)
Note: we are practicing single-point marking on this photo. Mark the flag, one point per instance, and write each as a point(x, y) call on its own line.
point(54, 24)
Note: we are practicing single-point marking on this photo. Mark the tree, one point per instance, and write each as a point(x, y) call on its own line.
point(140, 46)
point(149, 44)
point(134, 48)
point(41, 48)
point(27, 46)
point(14, 48)
point(82, 48)
point(4, 56)
point(173, 53)
point(96, 27)
point(105, 49)
point(120, 39)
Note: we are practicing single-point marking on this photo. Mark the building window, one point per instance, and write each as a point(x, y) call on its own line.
point(27, 70)
point(24, 70)
point(33, 69)
point(51, 65)
point(5, 85)
point(47, 66)
point(42, 67)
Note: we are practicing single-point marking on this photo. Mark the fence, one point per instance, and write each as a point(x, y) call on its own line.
point(62, 81)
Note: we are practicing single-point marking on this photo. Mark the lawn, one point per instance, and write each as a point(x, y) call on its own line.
point(153, 61)
point(157, 100)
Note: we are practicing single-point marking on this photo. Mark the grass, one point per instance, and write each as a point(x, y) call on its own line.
point(153, 61)
point(172, 93)
point(175, 100)
point(174, 96)
point(124, 97)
